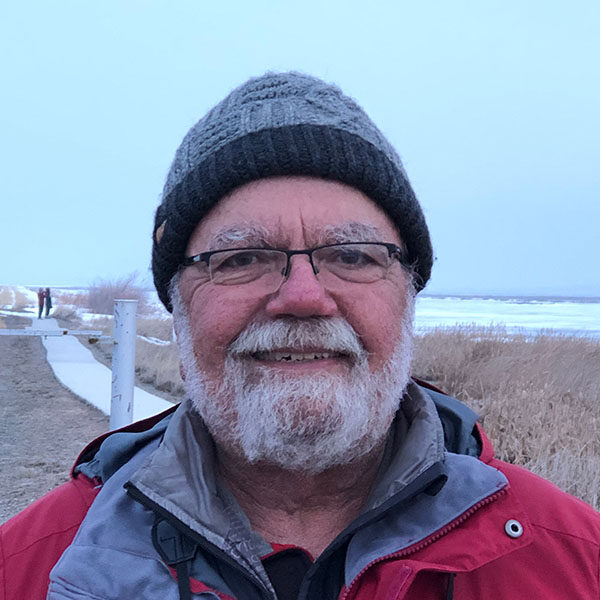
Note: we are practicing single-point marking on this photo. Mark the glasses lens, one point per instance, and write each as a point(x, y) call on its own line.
point(360, 263)
point(235, 267)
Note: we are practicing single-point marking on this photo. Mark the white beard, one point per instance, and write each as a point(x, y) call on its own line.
point(304, 423)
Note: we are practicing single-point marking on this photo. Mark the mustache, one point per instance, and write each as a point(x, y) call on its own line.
point(331, 334)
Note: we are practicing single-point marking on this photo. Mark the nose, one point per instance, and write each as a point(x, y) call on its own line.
point(301, 294)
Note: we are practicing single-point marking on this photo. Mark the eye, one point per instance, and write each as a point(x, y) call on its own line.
point(240, 259)
point(347, 257)
point(353, 257)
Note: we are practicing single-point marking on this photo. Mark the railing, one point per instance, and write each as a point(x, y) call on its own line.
point(123, 358)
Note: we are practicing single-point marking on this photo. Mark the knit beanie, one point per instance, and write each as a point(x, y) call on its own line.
point(282, 124)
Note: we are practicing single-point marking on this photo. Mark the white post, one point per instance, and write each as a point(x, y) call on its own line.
point(123, 364)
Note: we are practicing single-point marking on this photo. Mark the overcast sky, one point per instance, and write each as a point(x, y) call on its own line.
point(494, 107)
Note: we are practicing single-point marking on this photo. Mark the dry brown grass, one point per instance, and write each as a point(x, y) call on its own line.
point(161, 329)
point(71, 298)
point(64, 313)
point(21, 300)
point(538, 398)
point(13, 298)
point(6, 297)
point(159, 367)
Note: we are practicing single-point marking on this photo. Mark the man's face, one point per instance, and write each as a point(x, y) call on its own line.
point(300, 319)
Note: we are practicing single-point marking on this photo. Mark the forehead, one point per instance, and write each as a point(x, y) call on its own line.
point(292, 212)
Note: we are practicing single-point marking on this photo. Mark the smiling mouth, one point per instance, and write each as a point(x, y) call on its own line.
point(289, 357)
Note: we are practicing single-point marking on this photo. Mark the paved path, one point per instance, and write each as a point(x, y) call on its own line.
point(76, 368)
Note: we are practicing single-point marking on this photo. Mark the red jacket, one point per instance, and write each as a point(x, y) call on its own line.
point(557, 555)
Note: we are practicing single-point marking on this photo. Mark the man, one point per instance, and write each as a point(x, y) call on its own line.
point(48, 301)
point(305, 463)
point(41, 294)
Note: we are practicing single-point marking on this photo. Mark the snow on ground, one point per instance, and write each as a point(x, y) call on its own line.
point(28, 293)
point(16, 313)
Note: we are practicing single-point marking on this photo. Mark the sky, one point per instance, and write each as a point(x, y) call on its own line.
point(493, 106)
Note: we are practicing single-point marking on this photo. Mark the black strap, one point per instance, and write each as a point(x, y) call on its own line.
point(450, 588)
point(183, 580)
point(177, 550)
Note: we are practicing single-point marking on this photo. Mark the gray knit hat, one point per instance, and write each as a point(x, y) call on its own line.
point(282, 124)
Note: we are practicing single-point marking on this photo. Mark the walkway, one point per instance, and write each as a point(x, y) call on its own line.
point(76, 368)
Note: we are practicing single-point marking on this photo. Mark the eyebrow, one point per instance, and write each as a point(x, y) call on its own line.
point(255, 235)
point(353, 231)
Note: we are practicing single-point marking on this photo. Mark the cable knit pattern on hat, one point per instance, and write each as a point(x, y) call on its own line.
point(282, 124)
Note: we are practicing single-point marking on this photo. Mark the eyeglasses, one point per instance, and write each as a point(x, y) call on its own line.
point(363, 262)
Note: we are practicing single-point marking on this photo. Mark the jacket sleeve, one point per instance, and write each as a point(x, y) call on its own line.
point(33, 540)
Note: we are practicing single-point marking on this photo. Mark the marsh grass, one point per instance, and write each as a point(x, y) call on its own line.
point(13, 298)
point(62, 297)
point(65, 313)
point(159, 367)
point(538, 397)
point(6, 297)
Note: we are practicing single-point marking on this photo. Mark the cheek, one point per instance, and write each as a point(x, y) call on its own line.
point(216, 319)
point(377, 318)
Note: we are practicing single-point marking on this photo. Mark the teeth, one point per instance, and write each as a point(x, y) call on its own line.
point(295, 357)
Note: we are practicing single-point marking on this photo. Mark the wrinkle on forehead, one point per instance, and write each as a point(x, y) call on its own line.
point(255, 234)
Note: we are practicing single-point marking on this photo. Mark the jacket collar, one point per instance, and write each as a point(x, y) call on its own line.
point(415, 443)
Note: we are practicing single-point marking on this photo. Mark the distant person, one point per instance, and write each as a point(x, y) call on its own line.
point(48, 301)
point(41, 297)
point(306, 464)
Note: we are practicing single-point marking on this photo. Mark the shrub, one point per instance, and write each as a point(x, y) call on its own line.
point(102, 294)
point(72, 298)
point(6, 297)
point(21, 301)
point(14, 298)
point(65, 313)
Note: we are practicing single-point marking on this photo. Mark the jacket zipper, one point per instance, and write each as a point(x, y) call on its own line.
point(427, 541)
point(136, 494)
point(423, 481)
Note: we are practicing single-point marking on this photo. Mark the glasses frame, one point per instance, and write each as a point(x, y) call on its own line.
point(394, 251)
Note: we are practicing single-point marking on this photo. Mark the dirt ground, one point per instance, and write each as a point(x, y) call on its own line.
point(43, 425)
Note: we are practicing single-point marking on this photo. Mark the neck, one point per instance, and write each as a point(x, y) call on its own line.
point(300, 508)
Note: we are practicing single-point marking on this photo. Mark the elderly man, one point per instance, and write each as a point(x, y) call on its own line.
point(305, 463)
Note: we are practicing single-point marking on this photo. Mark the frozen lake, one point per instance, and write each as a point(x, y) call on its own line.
point(529, 315)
